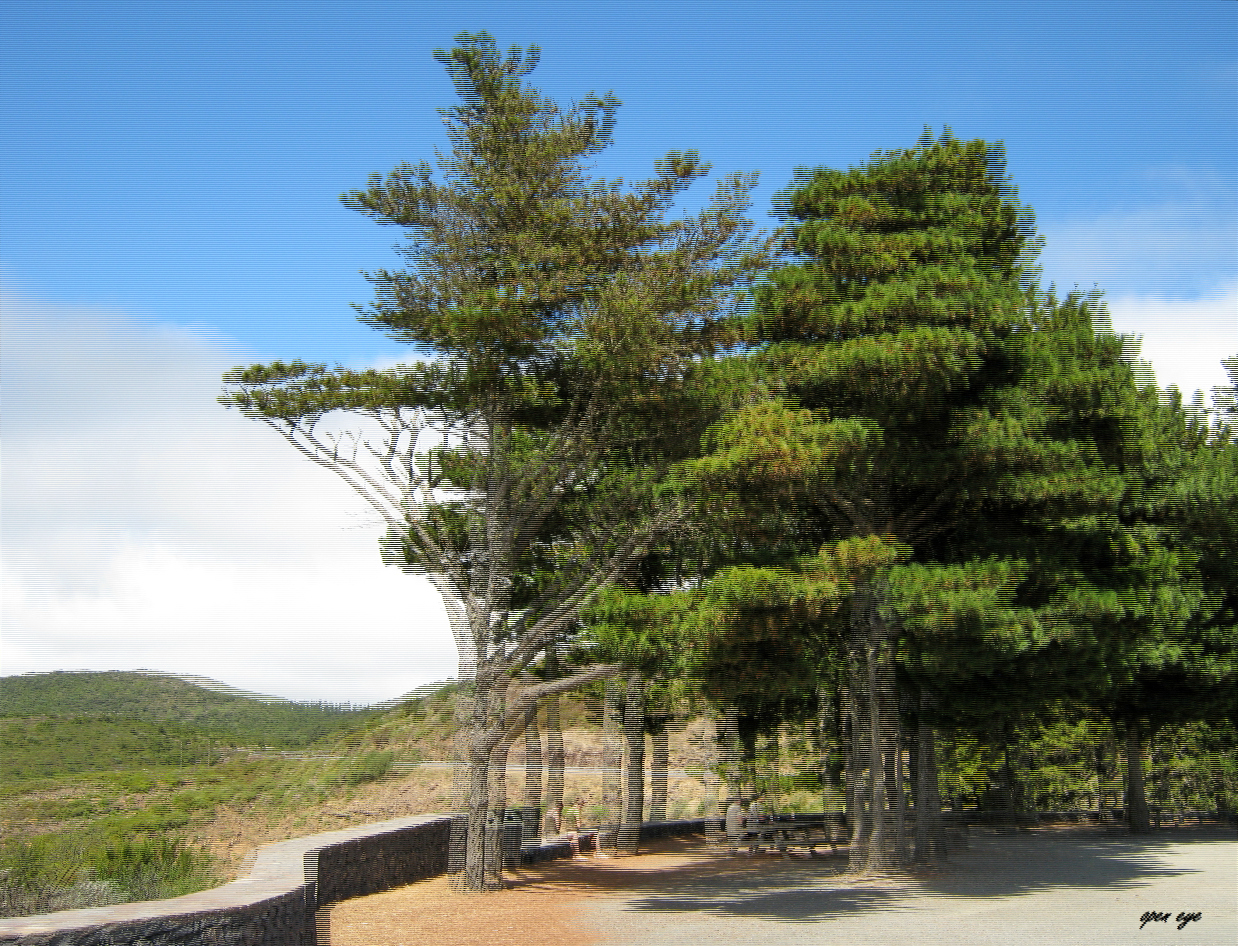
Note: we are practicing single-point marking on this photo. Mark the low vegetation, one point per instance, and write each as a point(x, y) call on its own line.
point(106, 808)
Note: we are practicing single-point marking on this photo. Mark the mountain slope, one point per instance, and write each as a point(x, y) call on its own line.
point(242, 719)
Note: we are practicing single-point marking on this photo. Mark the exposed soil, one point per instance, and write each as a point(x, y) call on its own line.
point(235, 835)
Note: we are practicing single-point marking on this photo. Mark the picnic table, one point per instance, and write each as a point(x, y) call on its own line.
point(808, 831)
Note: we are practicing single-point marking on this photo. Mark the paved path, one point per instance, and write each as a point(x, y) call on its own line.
point(1054, 886)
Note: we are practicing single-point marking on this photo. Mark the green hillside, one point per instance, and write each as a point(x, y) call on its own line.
point(45, 746)
point(162, 699)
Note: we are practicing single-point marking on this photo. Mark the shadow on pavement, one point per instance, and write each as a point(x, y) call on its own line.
point(996, 865)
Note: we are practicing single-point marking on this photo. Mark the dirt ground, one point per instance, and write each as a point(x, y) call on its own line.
point(1058, 886)
point(547, 905)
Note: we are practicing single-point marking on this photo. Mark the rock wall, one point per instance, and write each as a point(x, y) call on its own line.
point(281, 901)
point(276, 904)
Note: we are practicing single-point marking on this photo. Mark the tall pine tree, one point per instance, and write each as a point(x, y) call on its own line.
point(523, 465)
point(880, 338)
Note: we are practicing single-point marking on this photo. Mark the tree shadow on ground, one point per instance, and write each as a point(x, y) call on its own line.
point(996, 865)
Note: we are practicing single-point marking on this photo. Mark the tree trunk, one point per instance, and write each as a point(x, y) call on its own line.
point(1009, 800)
point(468, 849)
point(874, 857)
point(1099, 755)
point(728, 750)
point(658, 766)
point(555, 758)
point(913, 766)
point(726, 736)
point(773, 760)
point(748, 753)
point(495, 861)
point(1136, 801)
point(831, 736)
point(930, 832)
point(885, 848)
point(899, 788)
point(475, 856)
point(825, 738)
point(612, 776)
point(634, 766)
point(531, 814)
point(857, 768)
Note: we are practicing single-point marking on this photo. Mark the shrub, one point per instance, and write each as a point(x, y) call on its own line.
point(51, 873)
point(369, 768)
point(153, 868)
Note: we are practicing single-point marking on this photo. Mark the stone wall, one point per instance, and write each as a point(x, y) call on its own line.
point(281, 902)
point(274, 905)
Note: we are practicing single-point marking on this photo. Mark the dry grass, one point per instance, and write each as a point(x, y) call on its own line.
point(234, 836)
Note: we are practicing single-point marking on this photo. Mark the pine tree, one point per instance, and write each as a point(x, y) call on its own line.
point(878, 340)
point(1183, 667)
point(525, 463)
point(1076, 581)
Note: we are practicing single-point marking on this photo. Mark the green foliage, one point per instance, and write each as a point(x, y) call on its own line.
point(1067, 762)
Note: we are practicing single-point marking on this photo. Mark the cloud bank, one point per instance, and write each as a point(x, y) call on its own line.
point(144, 525)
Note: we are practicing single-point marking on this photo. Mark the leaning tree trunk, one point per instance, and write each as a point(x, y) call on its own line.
point(659, 763)
point(1136, 800)
point(531, 813)
point(634, 766)
point(930, 832)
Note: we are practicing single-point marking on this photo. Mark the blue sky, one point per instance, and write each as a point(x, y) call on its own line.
point(169, 175)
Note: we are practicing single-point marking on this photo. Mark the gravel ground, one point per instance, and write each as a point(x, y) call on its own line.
point(1054, 886)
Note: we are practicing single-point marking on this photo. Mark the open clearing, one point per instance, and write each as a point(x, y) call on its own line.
point(1056, 886)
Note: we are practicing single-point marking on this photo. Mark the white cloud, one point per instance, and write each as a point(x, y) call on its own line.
point(1175, 247)
point(1184, 340)
point(144, 525)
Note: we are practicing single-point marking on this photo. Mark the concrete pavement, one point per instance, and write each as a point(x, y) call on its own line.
point(1069, 886)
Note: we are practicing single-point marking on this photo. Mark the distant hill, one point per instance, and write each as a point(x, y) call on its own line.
point(207, 707)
